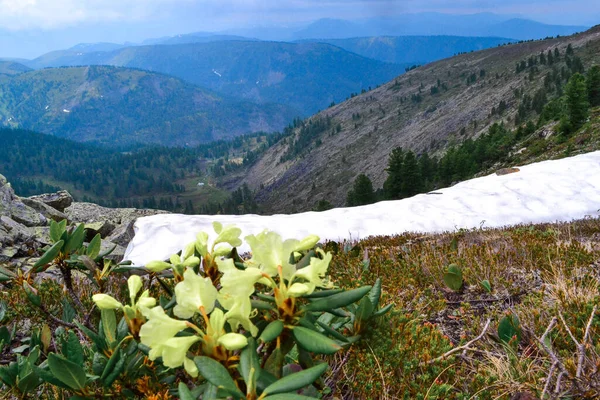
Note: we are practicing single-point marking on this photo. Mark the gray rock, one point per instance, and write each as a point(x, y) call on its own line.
point(89, 212)
point(117, 254)
point(59, 200)
point(44, 209)
point(11, 206)
point(123, 234)
point(104, 228)
point(15, 231)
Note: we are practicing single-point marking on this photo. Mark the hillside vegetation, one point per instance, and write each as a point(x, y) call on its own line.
point(120, 106)
point(307, 77)
point(428, 109)
point(12, 68)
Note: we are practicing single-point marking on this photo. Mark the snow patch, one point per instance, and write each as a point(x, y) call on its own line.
point(549, 191)
point(216, 73)
point(66, 111)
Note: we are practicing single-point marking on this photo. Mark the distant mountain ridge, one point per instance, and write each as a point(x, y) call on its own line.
point(305, 76)
point(432, 24)
point(12, 68)
point(413, 49)
point(120, 106)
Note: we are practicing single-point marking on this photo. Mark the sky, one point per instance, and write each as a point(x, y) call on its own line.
point(28, 21)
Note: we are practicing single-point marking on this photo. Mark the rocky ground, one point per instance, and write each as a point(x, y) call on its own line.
point(24, 223)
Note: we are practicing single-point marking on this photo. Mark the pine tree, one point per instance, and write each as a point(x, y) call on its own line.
point(577, 104)
point(411, 178)
point(392, 186)
point(362, 192)
point(593, 86)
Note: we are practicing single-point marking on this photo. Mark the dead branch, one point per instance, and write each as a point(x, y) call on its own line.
point(466, 346)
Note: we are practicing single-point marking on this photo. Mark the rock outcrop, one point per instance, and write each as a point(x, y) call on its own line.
point(24, 223)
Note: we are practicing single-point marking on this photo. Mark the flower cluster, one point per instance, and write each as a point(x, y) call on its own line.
point(213, 294)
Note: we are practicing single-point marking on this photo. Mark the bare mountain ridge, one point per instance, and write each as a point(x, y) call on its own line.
point(372, 124)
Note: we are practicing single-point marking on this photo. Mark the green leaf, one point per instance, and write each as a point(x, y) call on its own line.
point(57, 229)
point(331, 332)
point(250, 365)
point(314, 341)
point(274, 364)
point(28, 382)
point(262, 305)
point(6, 275)
point(184, 392)
point(67, 371)
point(69, 312)
point(383, 311)
point(508, 328)
point(272, 331)
point(486, 285)
point(296, 381)
point(338, 300)
point(218, 375)
point(113, 368)
point(93, 248)
point(48, 256)
point(453, 277)
point(287, 396)
point(75, 240)
point(109, 325)
point(32, 294)
point(72, 350)
point(323, 293)
point(375, 294)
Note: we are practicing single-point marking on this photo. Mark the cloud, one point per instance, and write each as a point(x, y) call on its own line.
point(49, 14)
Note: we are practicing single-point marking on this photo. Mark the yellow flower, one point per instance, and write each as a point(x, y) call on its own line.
point(106, 302)
point(314, 275)
point(192, 293)
point(159, 328)
point(175, 349)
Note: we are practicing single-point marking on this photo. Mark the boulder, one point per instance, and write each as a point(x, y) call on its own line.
point(59, 200)
point(123, 234)
point(11, 206)
point(44, 209)
point(104, 228)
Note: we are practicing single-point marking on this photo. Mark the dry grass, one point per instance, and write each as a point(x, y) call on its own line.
point(537, 272)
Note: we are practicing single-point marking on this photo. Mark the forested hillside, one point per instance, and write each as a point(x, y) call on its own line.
point(429, 109)
point(307, 77)
point(12, 68)
point(153, 177)
point(120, 107)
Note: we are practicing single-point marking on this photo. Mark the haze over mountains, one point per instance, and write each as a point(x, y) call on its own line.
point(120, 106)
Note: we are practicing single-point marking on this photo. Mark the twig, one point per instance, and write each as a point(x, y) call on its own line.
point(463, 347)
point(494, 300)
point(57, 320)
point(581, 347)
point(568, 329)
point(548, 380)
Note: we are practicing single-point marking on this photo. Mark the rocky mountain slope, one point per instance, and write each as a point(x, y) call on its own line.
point(120, 106)
point(307, 77)
point(427, 109)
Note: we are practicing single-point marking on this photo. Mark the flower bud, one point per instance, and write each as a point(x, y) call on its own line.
point(233, 341)
point(106, 302)
point(157, 266)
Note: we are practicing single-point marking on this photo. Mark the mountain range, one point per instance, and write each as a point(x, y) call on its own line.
point(305, 76)
point(121, 106)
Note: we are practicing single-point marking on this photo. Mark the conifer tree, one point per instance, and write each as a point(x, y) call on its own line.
point(593, 86)
point(392, 186)
point(362, 192)
point(411, 179)
point(577, 104)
